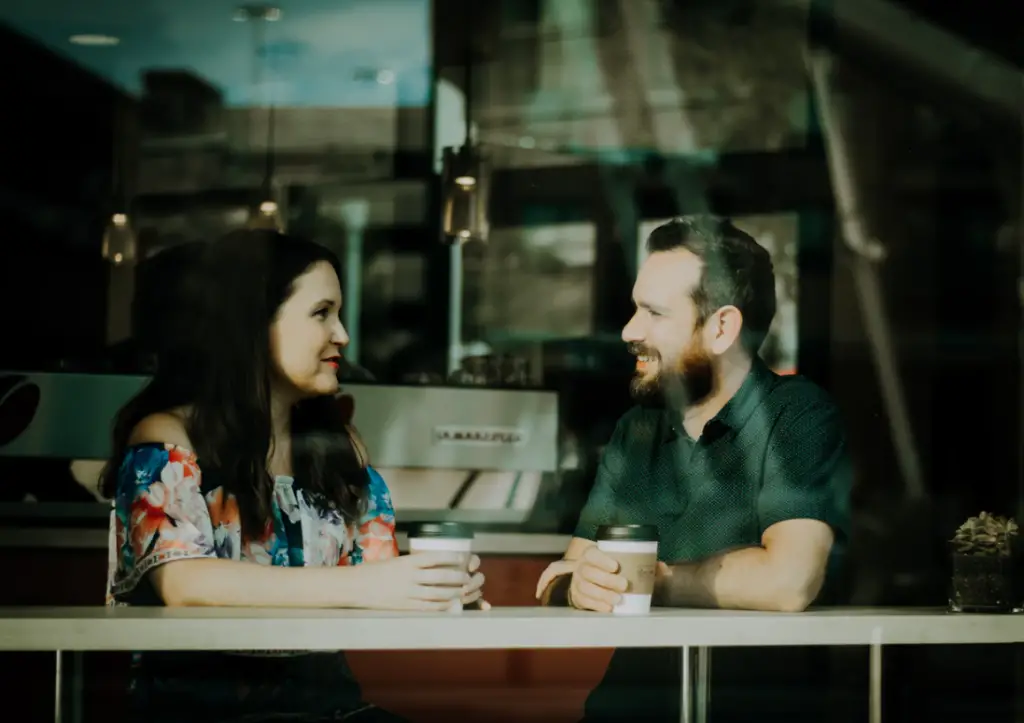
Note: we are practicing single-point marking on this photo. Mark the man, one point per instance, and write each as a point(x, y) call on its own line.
point(744, 472)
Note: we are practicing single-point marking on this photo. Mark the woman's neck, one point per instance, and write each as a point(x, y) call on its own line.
point(281, 414)
point(279, 459)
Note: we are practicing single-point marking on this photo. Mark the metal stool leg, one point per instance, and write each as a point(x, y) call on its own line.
point(875, 683)
point(702, 694)
point(58, 689)
point(686, 688)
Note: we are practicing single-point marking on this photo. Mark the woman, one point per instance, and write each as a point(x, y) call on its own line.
point(237, 453)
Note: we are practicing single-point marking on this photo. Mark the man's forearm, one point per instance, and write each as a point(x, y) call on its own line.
point(741, 579)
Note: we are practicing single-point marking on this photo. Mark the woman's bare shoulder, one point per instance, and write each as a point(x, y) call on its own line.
point(165, 427)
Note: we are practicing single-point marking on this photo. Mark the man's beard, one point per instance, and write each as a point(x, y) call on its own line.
point(689, 381)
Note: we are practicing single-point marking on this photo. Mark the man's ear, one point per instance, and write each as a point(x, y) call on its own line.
point(723, 329)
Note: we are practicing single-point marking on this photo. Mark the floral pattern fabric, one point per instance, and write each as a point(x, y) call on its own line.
point(164, 511)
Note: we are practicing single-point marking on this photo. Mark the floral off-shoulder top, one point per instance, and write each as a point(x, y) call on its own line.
point(164, 510)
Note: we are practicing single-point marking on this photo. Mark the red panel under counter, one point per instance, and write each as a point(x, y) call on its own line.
point(492, 685)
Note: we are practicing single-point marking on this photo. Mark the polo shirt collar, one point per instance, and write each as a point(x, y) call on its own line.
point(736, 411)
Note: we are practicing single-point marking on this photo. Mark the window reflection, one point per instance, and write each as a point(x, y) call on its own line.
point(899, 267)
point(203, 118)
point(530, 283)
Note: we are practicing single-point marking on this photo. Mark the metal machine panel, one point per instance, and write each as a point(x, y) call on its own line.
point(70, 416)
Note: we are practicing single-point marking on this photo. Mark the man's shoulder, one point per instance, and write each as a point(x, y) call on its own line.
point(794, 396)
point(803, 415)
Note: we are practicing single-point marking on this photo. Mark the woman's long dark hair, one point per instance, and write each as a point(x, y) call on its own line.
point(217, 364)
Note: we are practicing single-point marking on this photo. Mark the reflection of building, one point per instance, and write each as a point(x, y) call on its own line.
point(634, 77)
point(575, 92)
point(209, 157)
point(533, 282)
point(180, 103)
point(204, 165)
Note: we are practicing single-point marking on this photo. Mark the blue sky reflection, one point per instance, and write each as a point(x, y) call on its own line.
point(325, 53)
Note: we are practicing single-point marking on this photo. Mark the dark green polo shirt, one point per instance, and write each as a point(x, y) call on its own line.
point(775, 452)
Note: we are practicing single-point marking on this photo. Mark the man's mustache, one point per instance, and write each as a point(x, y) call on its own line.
point(640, 350)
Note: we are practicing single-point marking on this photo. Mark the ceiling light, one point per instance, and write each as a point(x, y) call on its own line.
point(119, 243)
point(268, 13)
point(464, 178)
point(94, 40)
point(266, 216)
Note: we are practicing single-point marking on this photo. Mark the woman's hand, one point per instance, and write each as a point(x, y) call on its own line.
point(472, 594)
point(425, 581)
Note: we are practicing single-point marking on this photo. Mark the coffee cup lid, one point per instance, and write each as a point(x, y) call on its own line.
point(628, 533)
point(442, 530)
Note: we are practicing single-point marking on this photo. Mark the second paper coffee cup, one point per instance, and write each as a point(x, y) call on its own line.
point(443, 537)
point(635, 548)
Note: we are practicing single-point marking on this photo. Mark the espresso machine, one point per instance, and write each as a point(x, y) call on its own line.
point(476, 455)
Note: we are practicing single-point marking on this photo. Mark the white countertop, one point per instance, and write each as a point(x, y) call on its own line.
point(484, 543)
point(125, 628)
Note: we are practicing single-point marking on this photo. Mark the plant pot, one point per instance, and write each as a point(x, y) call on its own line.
point(1017, 565)
point(982, 584)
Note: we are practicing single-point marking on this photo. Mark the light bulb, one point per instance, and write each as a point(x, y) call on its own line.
point(266, 216)
point(119, 243)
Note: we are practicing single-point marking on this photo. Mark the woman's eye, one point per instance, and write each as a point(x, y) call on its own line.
point(321, 314)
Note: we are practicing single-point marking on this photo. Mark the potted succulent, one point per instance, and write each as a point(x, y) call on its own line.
point(983, 551)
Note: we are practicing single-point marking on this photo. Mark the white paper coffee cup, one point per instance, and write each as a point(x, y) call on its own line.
point(635, 548)
point(443, 537)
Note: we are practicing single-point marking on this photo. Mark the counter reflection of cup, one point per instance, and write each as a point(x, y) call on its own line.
point(635, 548)
point(444, 537)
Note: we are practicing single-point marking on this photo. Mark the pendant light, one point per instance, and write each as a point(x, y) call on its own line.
point(266, 212)
point(464, 172)
point(266, 216)
point(120, 245)
point(464, 179)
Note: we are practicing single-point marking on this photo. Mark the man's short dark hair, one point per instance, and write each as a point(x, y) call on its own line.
point(737, 271)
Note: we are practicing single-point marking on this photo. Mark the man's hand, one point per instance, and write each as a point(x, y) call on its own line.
point(596, 584)
point(555, 570)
